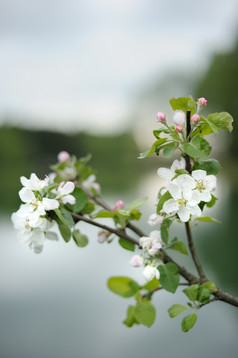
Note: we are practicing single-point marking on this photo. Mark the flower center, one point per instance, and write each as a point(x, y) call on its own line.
point(200, 185)
point(181, 202)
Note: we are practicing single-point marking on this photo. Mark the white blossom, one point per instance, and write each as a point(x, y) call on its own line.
point(182, 202)
point(179, 118)
point(168, 174)
point(34, 183)
point(152, 243)
point(63, 192)
point(150, 272)
point(155, 219)
point(205, 184)
point(90, 183)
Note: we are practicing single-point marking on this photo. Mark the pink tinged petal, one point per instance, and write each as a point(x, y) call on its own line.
point(184, 214)
point(160, 116)
point(170, 206)
point(50, 204)
point(186, 181)
point(165, 173)
point(67, 188)
point(69, 199)
point(27, 195)
point(155, 248)
point(199, 174)
point(175, 191)
point(210, 182)
point(63, 156)
point(179, 118)
point(136, 261)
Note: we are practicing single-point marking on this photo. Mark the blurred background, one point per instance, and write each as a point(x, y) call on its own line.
point(89, 77)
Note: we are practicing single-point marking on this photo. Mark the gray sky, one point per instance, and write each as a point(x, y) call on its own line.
point(78, 64)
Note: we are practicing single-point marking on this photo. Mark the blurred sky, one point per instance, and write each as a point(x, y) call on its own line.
point(79, 64)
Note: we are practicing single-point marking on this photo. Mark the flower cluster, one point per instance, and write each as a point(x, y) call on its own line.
point(150, 257)
point(32, 219)
point(186, 191)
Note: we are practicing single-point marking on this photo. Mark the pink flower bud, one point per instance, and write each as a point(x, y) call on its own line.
point(203, 101)
point(136, 261)
point(160, 116)
point(195, 118)
point(63, 156)
point(118, 205)
point(179, 128)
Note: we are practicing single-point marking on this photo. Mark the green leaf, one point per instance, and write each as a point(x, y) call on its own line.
point(191, 292)
point(81, 200)
point(211, 286)
point(169, 276)
point(180, 247)
point(212, 202)
point(89, 208)
point(152, 285)
point(208, 219)
point(176, 310)
point(136, 204)
point(123, 286)
point(184, 104)
point(212, 125)
point(211, 166)
point(157, 132)
point(80, 239)
point(130, 319)
point(188, 322)
point(148, 153)
point(104, 214)
point(65, 216)
point(181, 171)
point(197, 148)
point(162, 200)
point(127, 245)
point(222, 120)
point(63, 224)
point(164, 230)
point(203, 295)
point(169, 149)
point(145, 313)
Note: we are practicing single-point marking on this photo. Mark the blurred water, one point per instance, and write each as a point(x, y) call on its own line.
point(56, 304)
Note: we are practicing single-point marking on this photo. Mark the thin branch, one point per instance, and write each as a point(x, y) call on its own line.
point(194, 254)
point(119, 232)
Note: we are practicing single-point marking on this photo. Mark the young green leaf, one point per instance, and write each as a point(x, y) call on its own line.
point(148, 153)
point(212, 125)
point(176, 310)
point(180, 247)
point(130, 319)
point(188, 322)
point(136, 204)
point(164, 230)
point(211, 286)
point(191, 292)
point(203, 295)
point(169, 149)
point(208, 219)
point(104, 214)
point(197, 148)
point(157, 132)
point(80, 239)
point(152, 285)
point(162, 200)
point(211, 166)
point(127, 245)
point(184, 104)
point(123, 286)
point(81, 200)
point(222, 120)
point(169, 276)
point(145, 313)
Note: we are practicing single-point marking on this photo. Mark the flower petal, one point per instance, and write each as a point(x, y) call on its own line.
point(27, 195)
point(165, 174)
point(50, 204)
point(69, 199)
point(210, 182)
point(170, 206)
point(184, 214)
point(178, 164)
point(175, 191)
point(67, 188)
point(199, 174)
point(186, 182)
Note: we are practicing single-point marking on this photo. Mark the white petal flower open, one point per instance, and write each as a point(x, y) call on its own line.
point(27, 195)
point(168, 174)
point(50, 204)
point(205, 184)
point(34, 183)
point(63, 191)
